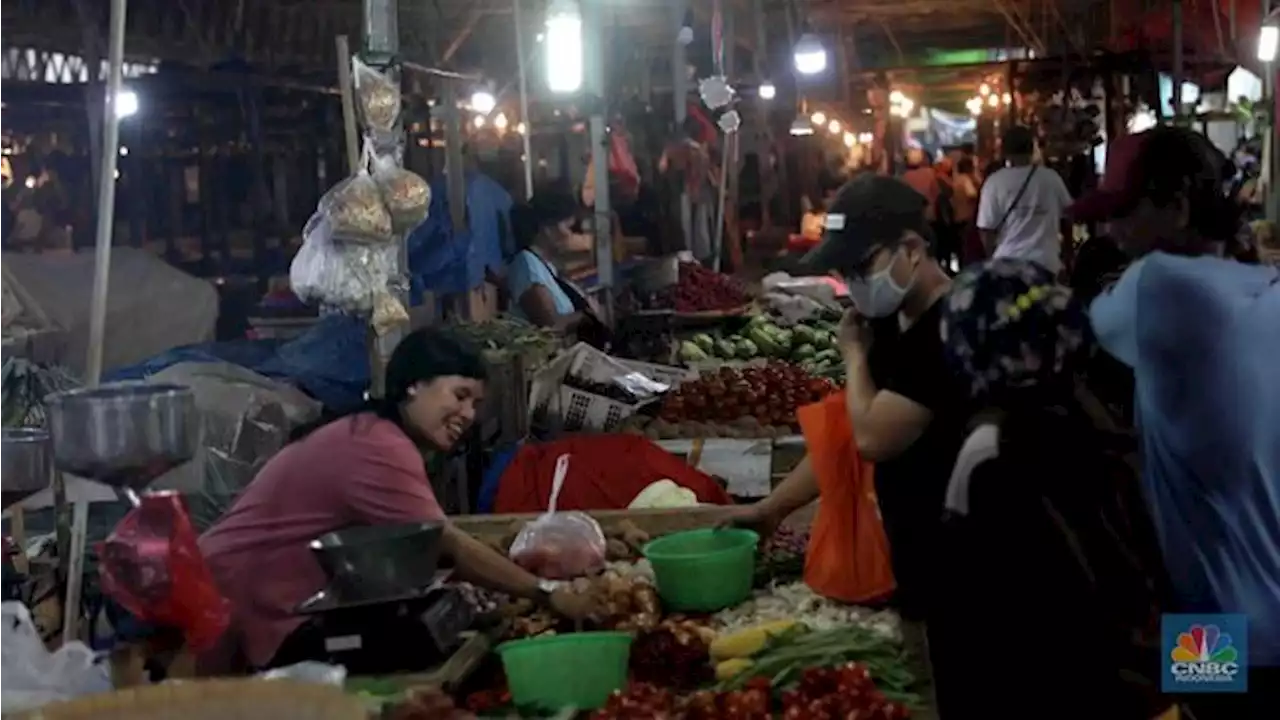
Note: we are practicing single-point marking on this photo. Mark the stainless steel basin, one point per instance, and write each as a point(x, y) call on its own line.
point(123, 434)
point(27, 463)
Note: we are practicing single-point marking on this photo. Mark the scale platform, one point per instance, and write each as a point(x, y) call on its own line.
point(409, 632)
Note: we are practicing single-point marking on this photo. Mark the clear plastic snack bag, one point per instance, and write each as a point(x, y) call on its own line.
point(355, 209)
point(33, 676)
point(406, 194)
point(377, 96)
point(388, 312)
point(560, 546)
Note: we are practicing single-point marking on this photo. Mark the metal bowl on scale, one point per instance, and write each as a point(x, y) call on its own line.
point(123, 434)
point(27, 461)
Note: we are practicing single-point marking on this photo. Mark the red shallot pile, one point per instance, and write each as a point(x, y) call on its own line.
point(769, 395)
point(822, 694)
point(670, 658)
point(702, 290)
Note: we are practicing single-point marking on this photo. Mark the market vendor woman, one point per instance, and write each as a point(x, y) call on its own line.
point(539, 292)
point(365, 468)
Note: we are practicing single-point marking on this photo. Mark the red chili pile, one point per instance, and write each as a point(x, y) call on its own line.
point(769, 394)
point(822, 694)
point(702, 290)
point(658, 657)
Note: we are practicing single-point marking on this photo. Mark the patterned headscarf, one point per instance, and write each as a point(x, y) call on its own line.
point(1008, 325)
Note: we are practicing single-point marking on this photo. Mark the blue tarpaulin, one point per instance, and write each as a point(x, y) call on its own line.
point(444, 262)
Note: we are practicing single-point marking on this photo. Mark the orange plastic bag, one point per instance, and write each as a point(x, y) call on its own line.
point(848, 554)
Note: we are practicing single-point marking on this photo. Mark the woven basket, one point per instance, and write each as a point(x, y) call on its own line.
point(210, 700)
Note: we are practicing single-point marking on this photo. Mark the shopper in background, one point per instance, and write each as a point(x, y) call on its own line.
point(1020, 211)
point(906, 414)
point(922, 178)
point(1202, 334)
point(1045, 513)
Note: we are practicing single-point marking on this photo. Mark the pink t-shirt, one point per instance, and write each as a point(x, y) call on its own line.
point(360, 470)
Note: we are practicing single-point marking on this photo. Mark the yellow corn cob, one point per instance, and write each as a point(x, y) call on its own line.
point(748, 642)
point(729, 669)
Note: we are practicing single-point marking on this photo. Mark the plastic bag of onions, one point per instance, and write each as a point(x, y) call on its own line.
point(356, 212)
point(376, 95)
point(406, 195)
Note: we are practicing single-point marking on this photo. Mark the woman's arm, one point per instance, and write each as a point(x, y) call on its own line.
point(482, 565)
point(540, 307)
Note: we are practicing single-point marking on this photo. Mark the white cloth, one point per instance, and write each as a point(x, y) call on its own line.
point(983, 444)
point(1030, 232)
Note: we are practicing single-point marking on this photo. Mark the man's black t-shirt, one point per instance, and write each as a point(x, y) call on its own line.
point(912, 486)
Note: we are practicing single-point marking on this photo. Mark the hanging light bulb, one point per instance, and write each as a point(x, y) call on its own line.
point(896, 97)
point(993, 100)
point(850, 140)
point(984, 89)
point(500, 122)
point(1006, 98)
point(865, 138)
point(818, 118)
point(809, 55)
point(479, 121)
point(521, 128)
point(768, 91)
point(483, 102)
point(801, 126)
point(564, 47)
point(834, 127)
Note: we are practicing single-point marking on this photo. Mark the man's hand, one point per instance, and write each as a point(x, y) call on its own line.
point(752, 517)
point(575, 606)
point(855, 333)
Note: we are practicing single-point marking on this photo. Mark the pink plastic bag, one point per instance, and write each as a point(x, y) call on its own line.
point(560, 546)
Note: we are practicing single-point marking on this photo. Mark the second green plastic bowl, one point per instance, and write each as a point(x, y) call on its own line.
point(703, 570)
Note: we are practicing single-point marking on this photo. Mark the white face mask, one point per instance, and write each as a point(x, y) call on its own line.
point(878, 295)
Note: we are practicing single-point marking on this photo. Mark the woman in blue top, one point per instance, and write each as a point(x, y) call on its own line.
point(538, 294)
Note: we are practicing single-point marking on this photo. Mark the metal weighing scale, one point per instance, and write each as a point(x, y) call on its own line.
point(410, 631)
point(386, 607)
point(28, 469)
point(124, 435)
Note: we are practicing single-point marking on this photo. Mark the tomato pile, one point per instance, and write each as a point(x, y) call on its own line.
point(822, 694)
point(702, 290)
point(659, 657)
point(769, 394)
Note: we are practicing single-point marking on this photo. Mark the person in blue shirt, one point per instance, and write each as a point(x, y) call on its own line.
point(1202, 334)
point(538, 292)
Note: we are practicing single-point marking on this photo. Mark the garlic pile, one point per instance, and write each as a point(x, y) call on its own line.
point(795, 601)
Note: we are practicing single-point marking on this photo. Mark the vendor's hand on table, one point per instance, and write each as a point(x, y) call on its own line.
point(575, 606)
point(752, 517)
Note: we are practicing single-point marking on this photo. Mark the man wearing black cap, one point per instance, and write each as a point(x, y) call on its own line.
point(907, 411)
point(1202, 334)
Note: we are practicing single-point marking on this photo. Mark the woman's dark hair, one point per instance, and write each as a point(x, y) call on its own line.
point(548, 206)
point(422, 356)
point(964, 165)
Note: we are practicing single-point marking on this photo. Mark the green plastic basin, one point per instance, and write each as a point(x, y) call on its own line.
point(703, 570)
point(578, 670)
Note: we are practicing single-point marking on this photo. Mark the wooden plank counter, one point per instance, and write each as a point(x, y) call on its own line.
point(654, 522)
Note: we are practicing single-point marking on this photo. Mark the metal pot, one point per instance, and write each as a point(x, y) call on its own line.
point(378, 561)
point(123, 434)
point(27, 468)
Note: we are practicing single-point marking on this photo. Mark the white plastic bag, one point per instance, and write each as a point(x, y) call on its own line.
point(346, 276)
point(356, 212)
point(560, 546)
point(33, 676)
